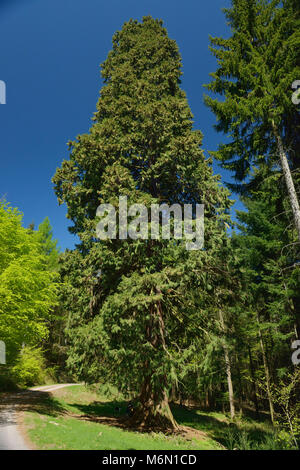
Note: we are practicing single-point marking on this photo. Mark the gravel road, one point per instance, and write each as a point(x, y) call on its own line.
point(10, 436)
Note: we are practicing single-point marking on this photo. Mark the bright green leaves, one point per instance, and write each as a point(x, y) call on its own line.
point(27, 287)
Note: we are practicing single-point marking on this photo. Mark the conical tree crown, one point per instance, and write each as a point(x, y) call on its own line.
point(143, 122)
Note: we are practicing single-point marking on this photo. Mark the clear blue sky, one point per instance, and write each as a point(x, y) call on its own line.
point(50, 56)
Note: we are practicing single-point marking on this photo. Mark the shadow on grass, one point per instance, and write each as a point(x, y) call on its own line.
point(111, 413)
point(34, 401)
point(247, 433)
point(110, 409)
point(229, 434)
point(114, 413)
point(215, 428)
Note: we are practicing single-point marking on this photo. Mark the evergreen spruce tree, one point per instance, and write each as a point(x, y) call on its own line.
point(257, 67)
point(130, 307)
point(49, 245)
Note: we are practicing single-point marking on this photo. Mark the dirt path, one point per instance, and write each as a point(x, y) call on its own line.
point(51, 388)
point(10, 437)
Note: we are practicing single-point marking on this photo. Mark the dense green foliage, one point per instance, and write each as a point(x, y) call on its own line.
point(28, 286)
point(141, 145)
point(30, 367)
point(257, 66)
point(162, 324)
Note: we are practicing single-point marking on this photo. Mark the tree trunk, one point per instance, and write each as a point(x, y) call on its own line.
point(154, 411)
point(240, 389)
point(228, 368)
point(267, 372)
point(253, 383)
point(288, 180)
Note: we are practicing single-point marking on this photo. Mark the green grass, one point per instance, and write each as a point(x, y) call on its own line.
point(50, 425)
point(245, 433)
point(72, 434)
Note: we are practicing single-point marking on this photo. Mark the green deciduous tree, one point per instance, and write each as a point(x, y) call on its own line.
point(28, 289)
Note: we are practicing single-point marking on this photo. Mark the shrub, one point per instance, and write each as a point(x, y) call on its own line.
point(30, 367)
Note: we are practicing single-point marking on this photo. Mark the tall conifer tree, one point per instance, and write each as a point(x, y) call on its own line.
point(129, 302)
point(257, 67)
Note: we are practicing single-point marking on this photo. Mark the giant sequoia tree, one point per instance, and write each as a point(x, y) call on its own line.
point(130, 312)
